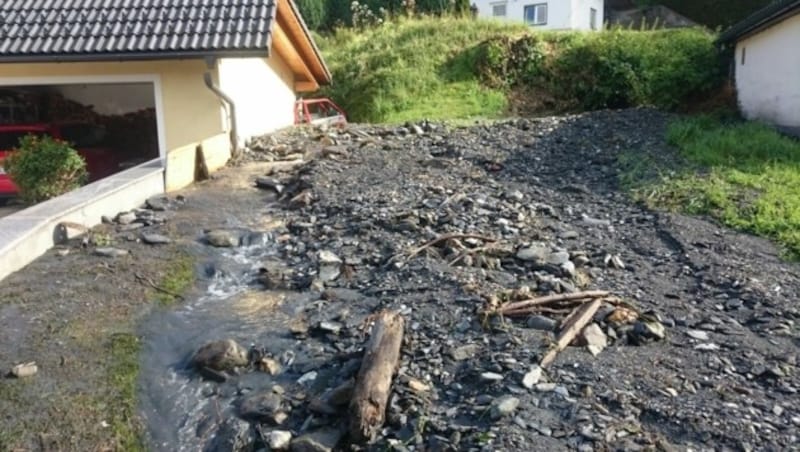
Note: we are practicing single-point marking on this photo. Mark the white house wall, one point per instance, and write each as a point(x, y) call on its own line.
point(263, 91)
point(561, 14)
point(768, 78)
point(581, 14)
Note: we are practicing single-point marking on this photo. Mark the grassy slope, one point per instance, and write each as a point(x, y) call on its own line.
point(744, 174)
point(413, 69)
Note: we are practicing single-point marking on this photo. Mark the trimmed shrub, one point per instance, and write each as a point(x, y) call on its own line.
point(43, 167)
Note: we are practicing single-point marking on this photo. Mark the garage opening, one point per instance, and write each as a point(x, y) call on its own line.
point(113, 126)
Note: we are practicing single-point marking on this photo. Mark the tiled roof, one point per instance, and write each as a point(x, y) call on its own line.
point(100, 29)
point(769, 14)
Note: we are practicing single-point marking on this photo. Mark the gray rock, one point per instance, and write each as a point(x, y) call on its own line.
point(542, 323)
point(24, 370)
point(331, 327)
point(269, 183)
point(650, 330)
point(223, 238)
point(327, 257)
point(233, 435)
point(558, 258)
point(464, 352)
point(159, 204)
point(698, 334)
point(110, 252)
point(569, 269)
point(733, 304)
point(595, 339)
point(131, 227)
point(532, 377)
point(322, 440)
point(594, 221)
point(264, 407)
point(329, 272)
point(614, 261)
point(220, 355)
point(504, 406)
point(568, 235)
point(279, 439)
point(156, 239)
point(330, 266)
point(537, 252)
point(491, 376)
point(126, 218)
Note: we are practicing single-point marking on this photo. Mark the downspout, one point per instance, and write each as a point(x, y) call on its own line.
point(231, 106)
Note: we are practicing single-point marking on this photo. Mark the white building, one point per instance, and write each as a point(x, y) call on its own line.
point(767, 64)
point(545, 14)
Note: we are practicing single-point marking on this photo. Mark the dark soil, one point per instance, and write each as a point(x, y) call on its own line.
point(372, 195)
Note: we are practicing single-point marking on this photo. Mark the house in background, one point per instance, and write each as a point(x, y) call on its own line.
point(631, 14)
point(545, 14)
point(214, 72)
point(766, 64)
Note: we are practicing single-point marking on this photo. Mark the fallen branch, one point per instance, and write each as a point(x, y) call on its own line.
point(519, 306)
point(446, 237)
point(374, 382)
point(574, 324)
point(143, 279)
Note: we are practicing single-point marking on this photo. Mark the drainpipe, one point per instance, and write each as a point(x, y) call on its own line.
point(231, 110)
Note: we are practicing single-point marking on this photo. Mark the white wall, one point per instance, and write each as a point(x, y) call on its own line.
point(263, 91)
point(768, 81)
point(111, 98)
point(581, 17)
point(561, 14)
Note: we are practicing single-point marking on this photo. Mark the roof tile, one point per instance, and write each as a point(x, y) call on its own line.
point(41, 28)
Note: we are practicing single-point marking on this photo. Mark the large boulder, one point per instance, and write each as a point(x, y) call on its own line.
point(220, 355)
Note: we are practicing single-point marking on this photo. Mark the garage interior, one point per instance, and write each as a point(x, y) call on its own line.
point(112, 125)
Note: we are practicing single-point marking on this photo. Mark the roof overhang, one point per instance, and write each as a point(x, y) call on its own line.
point(292, 40)
point(762, 19)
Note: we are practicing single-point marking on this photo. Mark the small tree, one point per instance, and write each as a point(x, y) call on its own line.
point(43, 167)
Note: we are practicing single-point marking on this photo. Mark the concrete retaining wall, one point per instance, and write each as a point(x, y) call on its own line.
point(29, 233)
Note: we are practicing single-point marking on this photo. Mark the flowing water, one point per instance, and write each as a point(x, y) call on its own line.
point(181, 409)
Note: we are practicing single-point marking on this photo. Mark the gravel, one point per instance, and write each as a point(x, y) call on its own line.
point(532, 207)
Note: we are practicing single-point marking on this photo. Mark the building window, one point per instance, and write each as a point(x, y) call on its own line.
point(536, 14)
point(744, 54)
point(499, 9)
point(593, 18)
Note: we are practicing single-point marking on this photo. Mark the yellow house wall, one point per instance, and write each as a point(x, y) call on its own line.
point(192, 115)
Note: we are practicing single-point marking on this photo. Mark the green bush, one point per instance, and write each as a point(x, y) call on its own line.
point(43, 167)
point(612, 69)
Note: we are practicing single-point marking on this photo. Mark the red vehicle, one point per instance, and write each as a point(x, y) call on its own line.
point(318, 112)
point(87, 139)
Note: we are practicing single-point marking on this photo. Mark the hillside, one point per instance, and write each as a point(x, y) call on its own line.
point(413, 69)
point(449, 68)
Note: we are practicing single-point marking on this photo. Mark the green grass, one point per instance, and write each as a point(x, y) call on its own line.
point(123, 374)
point(746, 175)
point(413, 69)
point(178, 278)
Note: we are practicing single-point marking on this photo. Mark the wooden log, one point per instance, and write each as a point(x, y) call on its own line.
point(373, 385)
point(574, 296)
point(575, 323)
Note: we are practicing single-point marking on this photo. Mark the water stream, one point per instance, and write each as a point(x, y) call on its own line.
point(181, 409)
